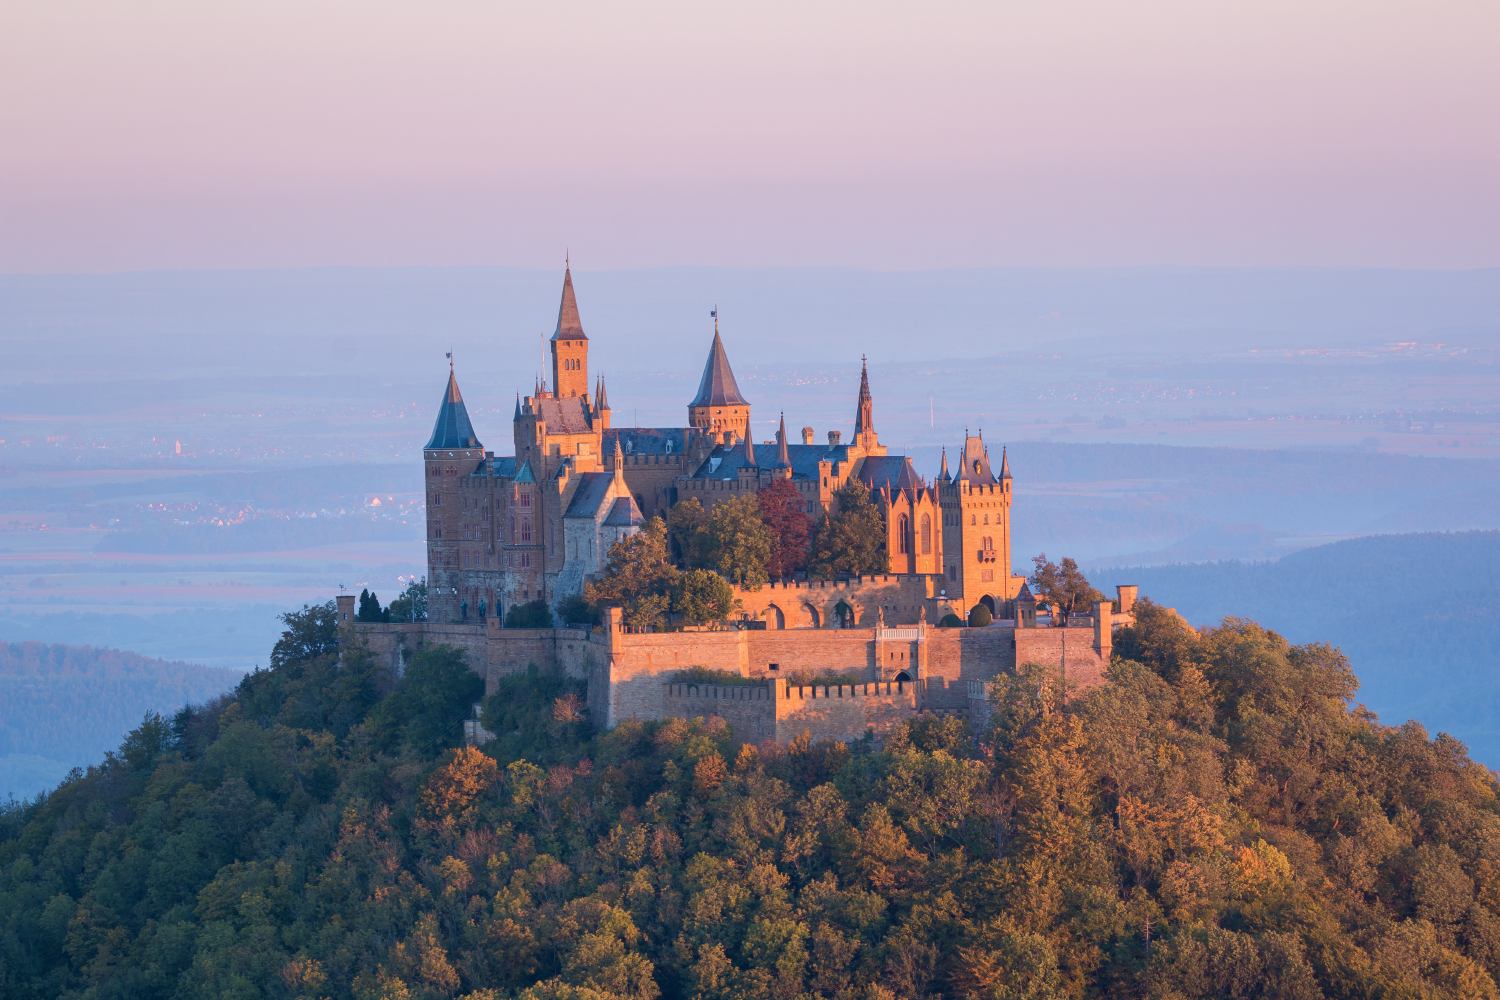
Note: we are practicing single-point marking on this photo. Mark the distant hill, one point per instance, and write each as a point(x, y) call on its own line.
point(1419, 614)
point(63, 706)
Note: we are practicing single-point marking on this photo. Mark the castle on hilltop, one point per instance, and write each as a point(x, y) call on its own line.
point(534, 525)
point(832, 658)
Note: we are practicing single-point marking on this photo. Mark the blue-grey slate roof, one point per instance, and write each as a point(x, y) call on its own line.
point(590, 495)
point(725, 461)
point(647, 440)
point(453, 429)
point(893, 472)
point(623, 513)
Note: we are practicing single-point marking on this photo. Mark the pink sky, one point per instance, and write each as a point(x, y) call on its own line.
point(178, 133)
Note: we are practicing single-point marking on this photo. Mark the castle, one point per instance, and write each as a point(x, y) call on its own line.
point(535, 525)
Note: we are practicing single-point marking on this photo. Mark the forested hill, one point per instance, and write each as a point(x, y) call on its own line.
point(1216, 821)
point(1419, 614)
point(62, 707)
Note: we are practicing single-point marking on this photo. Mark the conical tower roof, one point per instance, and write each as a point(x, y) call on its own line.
point(783, 455)
point(569, 326)
point(453, 429)
point(749, 445)
point(601, 401)
point(1004, 464)
point(718, 387)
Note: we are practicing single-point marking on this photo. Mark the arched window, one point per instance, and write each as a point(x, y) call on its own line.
point(905, 529)
point(926, 535)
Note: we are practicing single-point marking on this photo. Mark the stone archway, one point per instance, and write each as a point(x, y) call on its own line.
point(843, 615)
point(813, 616)
point(902, 678)
point(989, 602)
point(773, 617)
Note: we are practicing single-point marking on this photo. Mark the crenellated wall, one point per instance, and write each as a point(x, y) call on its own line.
point(903, 668)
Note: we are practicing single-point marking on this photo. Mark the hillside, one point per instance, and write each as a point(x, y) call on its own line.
point(1215, 821)
point(63, 707)
point(1419, 613)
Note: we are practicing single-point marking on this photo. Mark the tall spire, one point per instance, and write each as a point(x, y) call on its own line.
point(749, 449)
point(864, 417)
point(601, 402)
point(569, 326)
point(619, 461)
point(517, 414)
point(943, 469)
point(452, 429)
point(1004, 463)
point(783, 454)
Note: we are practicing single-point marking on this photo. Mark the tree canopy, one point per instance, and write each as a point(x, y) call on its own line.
point(850, 541)
point(1063, 585)
point(1215, 821)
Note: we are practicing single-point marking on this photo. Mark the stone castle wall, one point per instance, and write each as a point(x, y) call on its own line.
point(904, 669)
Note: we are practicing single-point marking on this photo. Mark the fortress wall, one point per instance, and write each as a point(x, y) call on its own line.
point(491, 652)
point(1071, 650)
point(749, 709)
point(844, 711)
point(639, 662)
point(808, 651)
point(813, 603)
point(956, 656)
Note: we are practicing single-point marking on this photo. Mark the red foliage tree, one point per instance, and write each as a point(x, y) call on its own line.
point(781, 508)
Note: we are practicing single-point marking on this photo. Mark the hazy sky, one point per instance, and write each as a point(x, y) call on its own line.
point(179, 133)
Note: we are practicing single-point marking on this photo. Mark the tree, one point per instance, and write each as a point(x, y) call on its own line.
point(979, 616)
point(576, 609)
point(637, 577)
point(310, 632)
point(532, 614)
point(428, 707)
point(687, 535)
point(1063, 585)
point(741, 542)
point(851, 540)
point(700, 596)
point(369, 608)
point(411, 606)
point(781, 508)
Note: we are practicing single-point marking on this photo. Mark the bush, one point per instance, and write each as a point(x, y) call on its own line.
point(532, 614)
point(950, 620)
point(979, 616)
point(579, 610)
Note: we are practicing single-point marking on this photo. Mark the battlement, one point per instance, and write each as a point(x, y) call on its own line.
point(689, 690)
point(868, 689)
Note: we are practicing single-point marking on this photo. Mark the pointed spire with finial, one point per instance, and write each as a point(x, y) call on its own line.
point(749, 444)
point(453, 429)
point(569, 326)
point(517, 414)
point(601, 401)
point(943, 467)
point(783, 454)
point(864, 416)
point(619, 461)
point(718, 386)
point(1004, 463)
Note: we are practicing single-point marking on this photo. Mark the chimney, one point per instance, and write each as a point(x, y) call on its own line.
point(833, 438)
point(807, 435)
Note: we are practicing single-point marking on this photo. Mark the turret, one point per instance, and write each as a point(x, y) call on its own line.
point(783, 453)
point(452, 453)
point(719, 409)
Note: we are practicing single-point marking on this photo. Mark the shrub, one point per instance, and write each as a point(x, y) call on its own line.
point(979, 616)
point(532, 614)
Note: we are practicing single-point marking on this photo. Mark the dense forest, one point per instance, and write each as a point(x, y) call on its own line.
point(63, 706)
point(1218, 820)
point(1389, 602)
